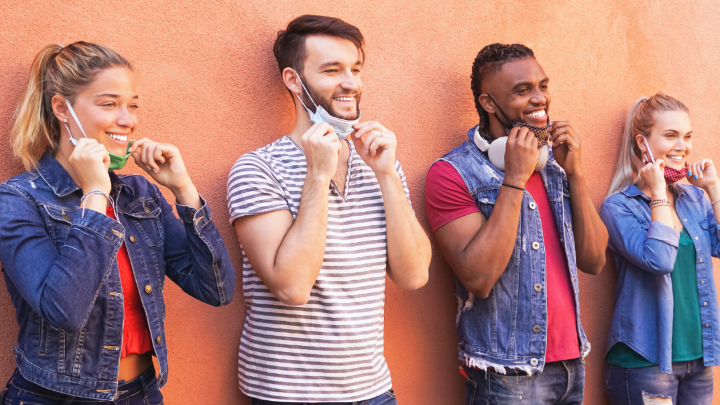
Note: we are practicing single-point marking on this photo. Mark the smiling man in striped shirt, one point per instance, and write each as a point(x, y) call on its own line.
point(322, 215)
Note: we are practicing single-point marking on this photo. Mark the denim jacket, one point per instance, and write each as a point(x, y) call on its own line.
point(509, 327)
point(645, 252)
point(62, 275)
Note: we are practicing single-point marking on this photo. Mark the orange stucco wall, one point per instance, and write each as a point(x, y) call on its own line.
point(209, 84)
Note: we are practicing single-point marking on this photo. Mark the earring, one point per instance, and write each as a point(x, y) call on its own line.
point(65, 120)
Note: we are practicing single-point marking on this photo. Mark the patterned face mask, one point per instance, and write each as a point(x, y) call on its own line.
point(671, 175)
point(541, 133)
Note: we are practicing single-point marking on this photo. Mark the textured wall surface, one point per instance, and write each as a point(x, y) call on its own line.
point(209, 83)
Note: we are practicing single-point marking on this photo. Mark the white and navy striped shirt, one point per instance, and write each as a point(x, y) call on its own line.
point(330, 349)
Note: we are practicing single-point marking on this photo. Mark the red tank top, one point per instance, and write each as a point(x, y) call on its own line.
point(136, 336)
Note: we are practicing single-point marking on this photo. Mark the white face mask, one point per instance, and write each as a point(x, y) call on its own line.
point(496, 151)
point(342, 127)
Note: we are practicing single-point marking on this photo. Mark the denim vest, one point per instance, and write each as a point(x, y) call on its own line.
point(645, 251)
point(61, 272)
point(509, 327)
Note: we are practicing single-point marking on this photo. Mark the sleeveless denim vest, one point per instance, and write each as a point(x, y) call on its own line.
point(509, 327)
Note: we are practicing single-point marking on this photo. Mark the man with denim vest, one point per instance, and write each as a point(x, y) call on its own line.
point(515, 228)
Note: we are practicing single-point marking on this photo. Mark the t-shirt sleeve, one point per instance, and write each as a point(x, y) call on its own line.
point(252, 188)
point(446, 195)
point(399, 169)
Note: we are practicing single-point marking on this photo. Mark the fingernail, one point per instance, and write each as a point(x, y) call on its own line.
point(689, 173)
point(149, 168)
point(695, 177)
point(156, 172)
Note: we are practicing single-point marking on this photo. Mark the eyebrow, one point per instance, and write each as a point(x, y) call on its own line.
point(529, 83)
point(329, 64)
point(114, 96)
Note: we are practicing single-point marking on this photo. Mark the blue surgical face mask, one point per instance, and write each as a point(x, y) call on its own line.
point(117, 162)
point(342, 127)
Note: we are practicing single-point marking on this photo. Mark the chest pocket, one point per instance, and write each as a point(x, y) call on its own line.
point(144, 215)
point(58, 221)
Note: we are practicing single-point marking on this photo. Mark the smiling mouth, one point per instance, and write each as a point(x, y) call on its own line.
point(537, 114)
point(343, 98)
point(117, 137)
point(675, 159)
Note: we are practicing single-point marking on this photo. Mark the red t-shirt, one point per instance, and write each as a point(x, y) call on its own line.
point(447, 199)
point(136, 335)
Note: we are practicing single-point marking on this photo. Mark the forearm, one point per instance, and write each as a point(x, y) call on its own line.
point(188, 196)
point(408, 246)
point(300, 255)
point(487, 255)
point(714, 194)
point(591, 236)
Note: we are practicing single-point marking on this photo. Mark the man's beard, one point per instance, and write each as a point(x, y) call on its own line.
point(326, 103)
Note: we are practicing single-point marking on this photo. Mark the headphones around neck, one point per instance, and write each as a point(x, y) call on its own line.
point(496, 151)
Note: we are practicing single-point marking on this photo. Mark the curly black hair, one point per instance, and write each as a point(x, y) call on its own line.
point(489, 60)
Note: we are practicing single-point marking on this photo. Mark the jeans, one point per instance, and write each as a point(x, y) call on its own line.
point(387, 398)
point(561, 383)
point(691, 383)
point(143, 390)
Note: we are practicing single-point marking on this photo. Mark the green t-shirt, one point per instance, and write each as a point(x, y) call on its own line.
point(687, 329)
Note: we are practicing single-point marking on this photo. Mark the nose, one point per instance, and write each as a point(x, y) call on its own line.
point(680, 144)
point(125, 118)
point(350, 82)
point(537, 97)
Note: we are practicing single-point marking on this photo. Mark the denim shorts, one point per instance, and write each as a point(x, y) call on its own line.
point(143, 390)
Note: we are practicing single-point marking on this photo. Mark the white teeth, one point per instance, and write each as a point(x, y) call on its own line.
point(121, 138)
point(344, 98)
point(538, 114)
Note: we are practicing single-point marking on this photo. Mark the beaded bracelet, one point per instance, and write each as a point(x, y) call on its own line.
point(714, 202)
point(659, 204)
point(84, 198)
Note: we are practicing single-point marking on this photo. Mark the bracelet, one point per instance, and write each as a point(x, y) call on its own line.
point(84, 198)
point(715, 202)
point(659, 200)
point(516, 188)
point(660, 204)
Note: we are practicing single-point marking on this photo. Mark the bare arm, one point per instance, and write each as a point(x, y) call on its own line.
point(479, 249)
point(409, 251)
point(287, 254)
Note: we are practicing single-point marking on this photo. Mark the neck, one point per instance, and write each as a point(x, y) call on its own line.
point(63, 157)
point(302, 123)
point(497, 130)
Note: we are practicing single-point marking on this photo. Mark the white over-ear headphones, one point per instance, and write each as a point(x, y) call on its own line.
point(496, 151)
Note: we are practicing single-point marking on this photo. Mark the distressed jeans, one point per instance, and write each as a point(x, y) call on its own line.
point(691, 383)
point(387, 398)
point(143, 390)
point(560, 383)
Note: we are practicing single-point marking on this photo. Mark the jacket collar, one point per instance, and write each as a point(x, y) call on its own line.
point(684, 190)
point(60, 181)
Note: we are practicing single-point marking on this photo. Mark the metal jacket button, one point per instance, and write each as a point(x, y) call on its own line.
point(148, 288)
point(532, 205)
point(536, 245)
point(66, 216)
point(159, 340)
point(538, 287)
point(133, 239)
point(536, 328)
point(147, 210)
point(534, 362)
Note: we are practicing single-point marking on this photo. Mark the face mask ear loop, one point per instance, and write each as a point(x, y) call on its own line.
point(306, 91)
point(647, 145)
point(501, 112)
point(77, 121)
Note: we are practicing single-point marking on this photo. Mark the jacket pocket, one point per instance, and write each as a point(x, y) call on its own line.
point(145, 216)
point(58, 221)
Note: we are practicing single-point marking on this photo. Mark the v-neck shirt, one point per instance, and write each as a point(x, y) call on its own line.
point(330, 349)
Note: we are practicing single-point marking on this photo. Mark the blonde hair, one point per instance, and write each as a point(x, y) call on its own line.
point(56, 70)
point(640, 120)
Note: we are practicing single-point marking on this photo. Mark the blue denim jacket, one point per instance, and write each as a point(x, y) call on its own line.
point(62, 275)
point(499, 331)
point(645, 253)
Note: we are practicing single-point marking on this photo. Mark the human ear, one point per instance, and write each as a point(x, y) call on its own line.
point(59, 108)
point(291, 80)
point(486, 103)
point(640, 141)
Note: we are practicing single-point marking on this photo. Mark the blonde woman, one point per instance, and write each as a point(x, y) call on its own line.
point(85, 251)
point(665, 333)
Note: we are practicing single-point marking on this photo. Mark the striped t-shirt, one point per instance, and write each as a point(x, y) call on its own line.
point(330, 349)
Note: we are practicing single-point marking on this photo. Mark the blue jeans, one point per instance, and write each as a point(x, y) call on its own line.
point(561, 383)
point(387, 398)
point(143, 390)
point(691, 383)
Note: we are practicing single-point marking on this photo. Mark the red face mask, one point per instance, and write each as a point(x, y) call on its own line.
point(671, 175)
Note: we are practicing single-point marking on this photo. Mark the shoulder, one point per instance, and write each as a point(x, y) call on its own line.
point(282, 152)
point(22, 184)
point(693, 193)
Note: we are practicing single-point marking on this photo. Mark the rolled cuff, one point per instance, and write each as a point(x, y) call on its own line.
point(663, 233)
point(102, 225)
point(199, 218)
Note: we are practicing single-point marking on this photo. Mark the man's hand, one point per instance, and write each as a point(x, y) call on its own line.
point(376, 145)
point(566, 146)
point(521, 155)
point(322, 150)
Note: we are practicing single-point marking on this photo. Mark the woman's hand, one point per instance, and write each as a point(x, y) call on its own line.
point(90, 161)
point(654, 176)
point(703, 174)
point(162, 161)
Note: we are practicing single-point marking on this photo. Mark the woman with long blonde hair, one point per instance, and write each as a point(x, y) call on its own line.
point(85, 251)
point(665, 333)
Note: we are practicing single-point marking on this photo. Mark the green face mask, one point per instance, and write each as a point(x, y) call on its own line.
point(117, 162)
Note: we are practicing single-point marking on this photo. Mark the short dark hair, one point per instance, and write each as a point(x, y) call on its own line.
point(490, 60)
point(289, 48)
